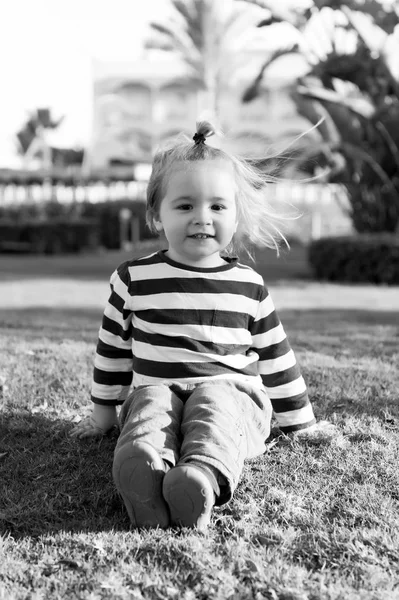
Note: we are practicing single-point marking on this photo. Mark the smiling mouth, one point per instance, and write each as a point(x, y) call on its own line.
point(201, 236)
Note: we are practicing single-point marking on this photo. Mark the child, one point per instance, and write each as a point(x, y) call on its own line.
point(197, 334)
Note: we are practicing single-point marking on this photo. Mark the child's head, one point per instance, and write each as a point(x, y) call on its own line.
point(256, 222)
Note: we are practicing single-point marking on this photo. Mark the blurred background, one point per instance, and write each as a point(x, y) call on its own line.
point(91, 89)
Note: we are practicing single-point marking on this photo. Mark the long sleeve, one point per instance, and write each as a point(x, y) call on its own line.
point(113, 363)
point(279, 370)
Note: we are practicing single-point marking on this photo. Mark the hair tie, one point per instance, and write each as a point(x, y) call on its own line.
point(199, 138)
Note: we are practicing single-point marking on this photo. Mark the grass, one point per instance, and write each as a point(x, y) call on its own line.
point(311, 519)
point(96, 265)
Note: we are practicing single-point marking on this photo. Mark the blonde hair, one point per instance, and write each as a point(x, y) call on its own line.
point(259, 223)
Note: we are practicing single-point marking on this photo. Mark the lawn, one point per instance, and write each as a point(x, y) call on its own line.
point(311, 519)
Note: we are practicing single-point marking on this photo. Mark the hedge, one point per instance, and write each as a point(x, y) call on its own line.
point(53, 227)
point(49, 237)
point(109, 216)
point(362, 258)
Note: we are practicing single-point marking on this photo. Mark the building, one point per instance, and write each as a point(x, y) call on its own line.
point(139, 105)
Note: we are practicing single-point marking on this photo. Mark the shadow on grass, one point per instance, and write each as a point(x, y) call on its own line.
point(51, 483)
point(54, 323)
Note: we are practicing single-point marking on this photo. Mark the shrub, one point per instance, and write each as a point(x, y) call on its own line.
point(364, 258)
point(53, 227)
point(108, 216)
point(373, 209)
point(48, 236)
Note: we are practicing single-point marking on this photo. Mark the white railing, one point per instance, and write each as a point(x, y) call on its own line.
point(14, 194)
point(321, 208)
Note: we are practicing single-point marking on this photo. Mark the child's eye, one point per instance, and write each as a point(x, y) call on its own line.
point(184, 206)
point(217, 207)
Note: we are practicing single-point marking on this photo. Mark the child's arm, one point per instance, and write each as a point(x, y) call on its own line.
point(279, 370)
point(113, 363)
point(101, 420)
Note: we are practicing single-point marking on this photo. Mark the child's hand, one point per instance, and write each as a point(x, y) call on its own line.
point(87, 428)
point(102, 419)
point(320, 431)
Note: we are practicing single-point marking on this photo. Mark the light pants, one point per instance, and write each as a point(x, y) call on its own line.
point(219, 423)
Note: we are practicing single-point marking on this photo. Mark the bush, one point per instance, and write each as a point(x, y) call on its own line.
point(54, 236)
point(364, 258)
point(53, 227)
point(108, 216)
point(373, 209)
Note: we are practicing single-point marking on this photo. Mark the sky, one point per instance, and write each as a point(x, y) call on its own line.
point(46, 53)
point(47, 48)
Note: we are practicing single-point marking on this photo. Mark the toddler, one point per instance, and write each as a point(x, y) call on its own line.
point(191, 345)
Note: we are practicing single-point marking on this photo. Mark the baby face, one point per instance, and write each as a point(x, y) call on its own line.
point(198, 213)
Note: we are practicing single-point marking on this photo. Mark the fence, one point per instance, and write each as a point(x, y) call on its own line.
point(319, 209)
point(101, 191)
point(322, 209)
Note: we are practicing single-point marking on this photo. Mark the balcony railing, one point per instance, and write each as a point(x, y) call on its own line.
point(321, 208)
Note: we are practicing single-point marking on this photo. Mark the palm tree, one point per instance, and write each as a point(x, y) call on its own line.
point(31, 138)
point(353, 84)
point(209, 36)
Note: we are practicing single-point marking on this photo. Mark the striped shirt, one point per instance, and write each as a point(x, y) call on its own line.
point(166, 322)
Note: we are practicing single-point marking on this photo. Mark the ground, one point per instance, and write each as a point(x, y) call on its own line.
point(312, 518)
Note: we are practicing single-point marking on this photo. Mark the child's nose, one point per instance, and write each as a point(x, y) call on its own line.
point(202, 216)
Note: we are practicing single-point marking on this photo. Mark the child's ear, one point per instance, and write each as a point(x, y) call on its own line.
point(158, 225)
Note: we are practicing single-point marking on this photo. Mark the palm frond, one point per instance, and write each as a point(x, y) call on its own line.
point(189, 15)
point(355, 153)
point(187, 11)
point(253, 90)
point(314, 111)
point(393, 147)
point(374, 38)
point(278, 12)
point(360, 106)
point(241, 29)
point(310, 156)
point(178, 39)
